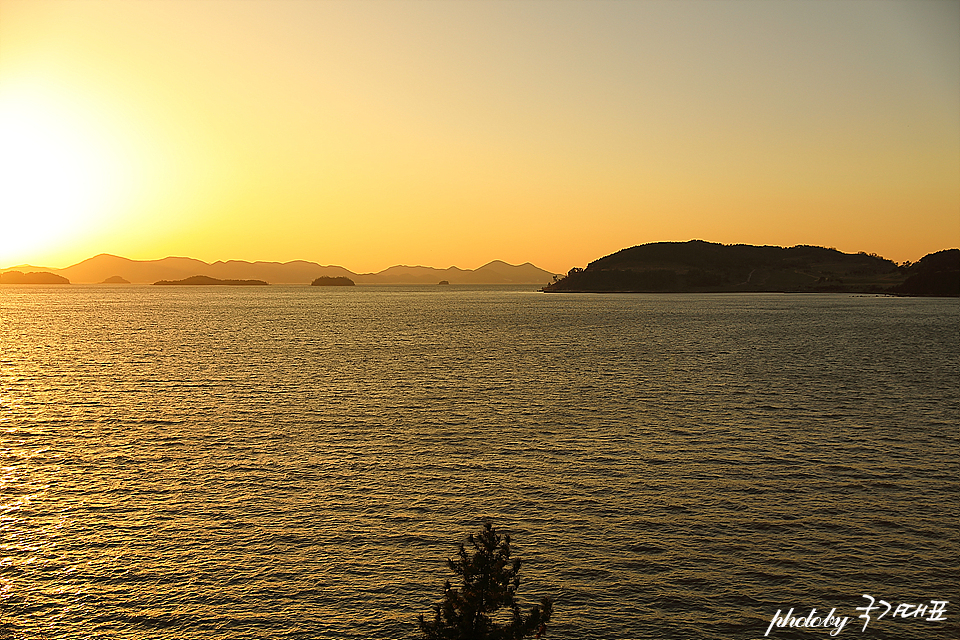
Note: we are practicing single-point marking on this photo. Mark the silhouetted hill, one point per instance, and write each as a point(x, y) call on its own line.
point(100, 267)
point(32, 277)
point(936, 274)
point(206, 280)
point(698, 266)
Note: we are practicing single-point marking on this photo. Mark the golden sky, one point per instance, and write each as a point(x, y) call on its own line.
point(374, 133)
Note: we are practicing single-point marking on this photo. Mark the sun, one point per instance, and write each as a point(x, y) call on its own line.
point(56, 177)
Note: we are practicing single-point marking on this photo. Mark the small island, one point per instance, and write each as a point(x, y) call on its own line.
point(444, 282)
point(333, 281)
point(33, 277)
point(202, 280)
point(115, 280)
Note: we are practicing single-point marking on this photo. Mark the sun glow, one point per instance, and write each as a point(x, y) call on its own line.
point(372, 134)
point(58, 178)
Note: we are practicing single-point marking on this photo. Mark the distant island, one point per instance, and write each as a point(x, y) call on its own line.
point(200, 280)
point(33, 277)
point(333, 281)
point(702, 267)
point(115, 280)
point(444, 282)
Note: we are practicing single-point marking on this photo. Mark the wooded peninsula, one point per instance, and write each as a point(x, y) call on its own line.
point(698, 266)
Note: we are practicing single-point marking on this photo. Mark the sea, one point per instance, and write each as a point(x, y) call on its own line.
point(295, 462)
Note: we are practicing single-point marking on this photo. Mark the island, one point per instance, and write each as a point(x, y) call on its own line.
point(203, 280)
point(444, 282)
point(33, 277)
point(115, 280)
point(333, 281)
point(705, 267)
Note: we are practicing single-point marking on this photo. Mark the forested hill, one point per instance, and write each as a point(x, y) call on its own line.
point(936, 274)
point(699, 266)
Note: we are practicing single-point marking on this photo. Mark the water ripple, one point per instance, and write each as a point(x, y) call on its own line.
point(276, 464)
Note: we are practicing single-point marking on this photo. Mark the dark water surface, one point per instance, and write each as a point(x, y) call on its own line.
point(297, 462)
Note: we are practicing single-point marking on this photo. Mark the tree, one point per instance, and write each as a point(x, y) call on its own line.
point(489, 583)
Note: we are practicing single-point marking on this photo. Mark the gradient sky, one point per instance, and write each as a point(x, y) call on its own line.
point(368, 133)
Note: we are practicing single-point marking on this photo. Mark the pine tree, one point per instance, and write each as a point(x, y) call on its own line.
point(489, 583)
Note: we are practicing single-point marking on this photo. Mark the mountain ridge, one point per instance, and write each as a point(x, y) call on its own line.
point(104, 265)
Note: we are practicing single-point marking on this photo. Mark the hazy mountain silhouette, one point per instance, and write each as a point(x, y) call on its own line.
point(100, 267)
point(496, 272)
point(416, 275)
point(103, 266)
point(526, 271)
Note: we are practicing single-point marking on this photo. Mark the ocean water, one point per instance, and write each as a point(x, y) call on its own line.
point(298, 462)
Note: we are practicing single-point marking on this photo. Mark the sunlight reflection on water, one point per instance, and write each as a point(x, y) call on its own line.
point(283, 462)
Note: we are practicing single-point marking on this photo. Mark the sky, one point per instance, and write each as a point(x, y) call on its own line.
point(370, 133)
